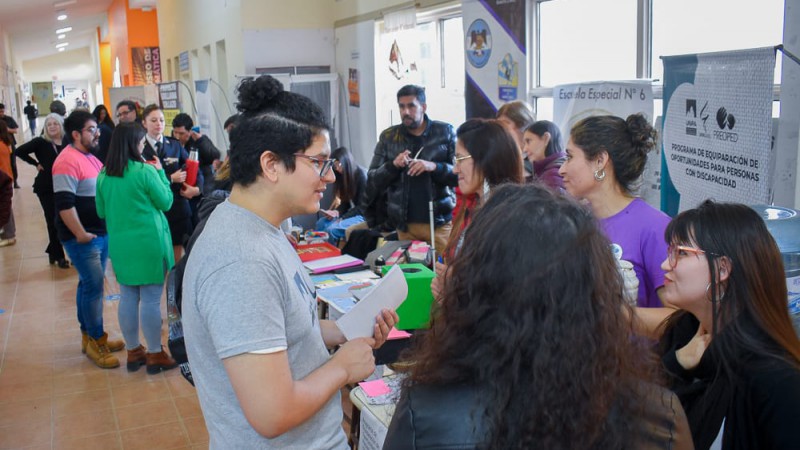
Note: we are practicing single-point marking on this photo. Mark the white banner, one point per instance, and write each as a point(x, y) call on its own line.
point(495, 53)
point(717, 128)
point(573, 102)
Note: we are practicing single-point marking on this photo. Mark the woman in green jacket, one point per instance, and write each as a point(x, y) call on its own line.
point(132, 196)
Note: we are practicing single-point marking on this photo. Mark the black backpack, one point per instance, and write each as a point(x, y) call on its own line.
point(176, 344)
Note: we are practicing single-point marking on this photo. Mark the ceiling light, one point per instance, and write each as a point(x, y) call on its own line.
point(62, 36)
point(63, 44)
point(61, 49)
point(64, 3)
point(63, 30)
point(61, 17)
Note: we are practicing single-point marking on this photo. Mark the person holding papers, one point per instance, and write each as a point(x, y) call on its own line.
point(258, 352)
point(532, 349)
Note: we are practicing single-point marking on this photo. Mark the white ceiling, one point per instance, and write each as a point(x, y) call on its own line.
point(31, 25)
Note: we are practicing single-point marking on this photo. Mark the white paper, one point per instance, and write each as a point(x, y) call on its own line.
point(332, 263)
point(373, 432)
point(389, 293)
point(358, 276)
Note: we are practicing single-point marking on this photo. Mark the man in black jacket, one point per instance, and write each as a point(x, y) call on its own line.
point(191, 139)
point(412, 166)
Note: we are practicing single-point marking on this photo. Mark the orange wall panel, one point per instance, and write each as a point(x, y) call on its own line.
point(128, 28)
point(106, 71)
point(118, 35)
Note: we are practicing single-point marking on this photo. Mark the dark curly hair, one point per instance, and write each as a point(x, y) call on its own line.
point(271, 119)
point(533, 315)
point(627, 142)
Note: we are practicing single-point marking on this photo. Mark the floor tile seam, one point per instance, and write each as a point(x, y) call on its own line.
point(10, 319)
point(114, 411)
point(178, 413)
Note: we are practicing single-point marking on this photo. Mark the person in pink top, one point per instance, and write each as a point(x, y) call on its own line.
point(606, 156)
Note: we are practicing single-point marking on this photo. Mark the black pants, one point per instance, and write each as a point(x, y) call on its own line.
point(54, 248)
point(14, 164)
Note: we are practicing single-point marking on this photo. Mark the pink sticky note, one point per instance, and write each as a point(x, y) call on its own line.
point(375, 388)
point(398, 334)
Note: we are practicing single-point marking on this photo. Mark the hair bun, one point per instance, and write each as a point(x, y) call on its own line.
point(256, 94)
point(643, 135)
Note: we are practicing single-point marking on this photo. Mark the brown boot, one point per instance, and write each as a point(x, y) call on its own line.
point(156, 362)
point(114, 345)
point(97, 350)
point(136, 358)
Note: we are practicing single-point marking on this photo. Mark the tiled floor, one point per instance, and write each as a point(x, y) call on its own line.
point(51, 395)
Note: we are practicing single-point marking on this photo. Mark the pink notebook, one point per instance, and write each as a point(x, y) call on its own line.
point(328, 264)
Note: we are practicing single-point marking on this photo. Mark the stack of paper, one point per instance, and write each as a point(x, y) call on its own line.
point(332, 263)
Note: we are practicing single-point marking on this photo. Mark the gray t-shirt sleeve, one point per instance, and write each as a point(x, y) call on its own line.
point(242, 306)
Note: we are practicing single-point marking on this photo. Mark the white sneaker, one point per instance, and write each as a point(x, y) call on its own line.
point(7, 242)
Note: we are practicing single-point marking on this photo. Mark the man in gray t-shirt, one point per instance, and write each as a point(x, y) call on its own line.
point(259, 354)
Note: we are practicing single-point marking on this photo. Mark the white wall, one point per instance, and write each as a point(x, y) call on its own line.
point(69, 65)
point(354, 49)
point(9, 80)
point(192, 26)
point(287, 47)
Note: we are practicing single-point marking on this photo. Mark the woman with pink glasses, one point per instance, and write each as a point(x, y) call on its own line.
point(730, 352)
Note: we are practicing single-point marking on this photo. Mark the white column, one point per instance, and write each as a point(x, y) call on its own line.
point(787, 145)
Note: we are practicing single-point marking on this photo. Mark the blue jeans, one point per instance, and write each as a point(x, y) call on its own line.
point(90, 261)
point(336, 227)
point(141, 303)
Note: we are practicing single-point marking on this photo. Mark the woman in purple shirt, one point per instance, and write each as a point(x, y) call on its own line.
point(606, 156)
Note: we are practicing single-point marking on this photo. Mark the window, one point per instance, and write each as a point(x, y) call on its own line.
point(587, 40)
point(431, 55)
point(691, 26)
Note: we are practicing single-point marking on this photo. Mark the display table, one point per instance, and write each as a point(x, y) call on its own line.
point(370, 422)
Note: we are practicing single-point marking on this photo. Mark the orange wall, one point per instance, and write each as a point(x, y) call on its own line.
point(106, 71)
point(118, 35)
point(128, 28)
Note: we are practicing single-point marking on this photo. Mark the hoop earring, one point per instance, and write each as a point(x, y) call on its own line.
point(720, 293)
point(600, 175)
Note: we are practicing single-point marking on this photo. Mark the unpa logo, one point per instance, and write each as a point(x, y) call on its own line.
point(725, 120)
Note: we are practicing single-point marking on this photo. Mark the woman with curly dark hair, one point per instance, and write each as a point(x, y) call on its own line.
point(730, 353)
point(532, 349)
point(606, 156)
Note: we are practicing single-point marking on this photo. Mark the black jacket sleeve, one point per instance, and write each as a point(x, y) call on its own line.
point(6, 192)
point(24, 151)
point(206, 151)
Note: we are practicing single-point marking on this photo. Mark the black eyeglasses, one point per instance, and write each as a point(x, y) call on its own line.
point(91, 130)
point(324, 165)
point(123, 113)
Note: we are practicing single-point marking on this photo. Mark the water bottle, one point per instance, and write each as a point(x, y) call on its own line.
point(192, 166)
point(631, 281)
point(784, 225)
